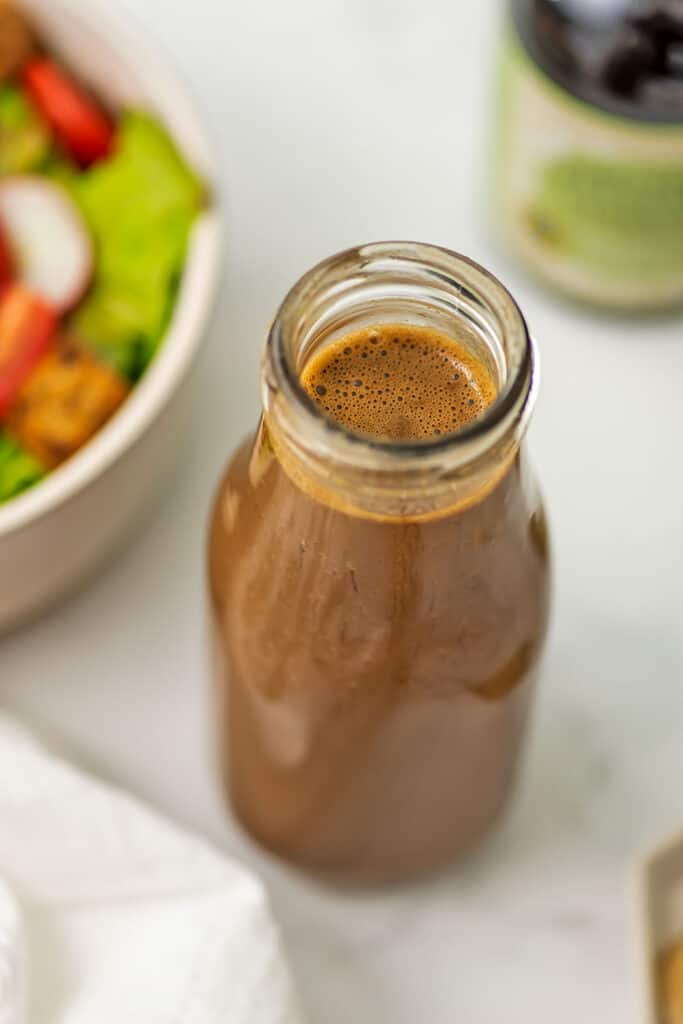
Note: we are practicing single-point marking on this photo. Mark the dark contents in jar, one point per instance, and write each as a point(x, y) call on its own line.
point(623, 56)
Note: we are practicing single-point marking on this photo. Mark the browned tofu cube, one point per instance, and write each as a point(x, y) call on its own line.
point(64, 402)
point(17, 44)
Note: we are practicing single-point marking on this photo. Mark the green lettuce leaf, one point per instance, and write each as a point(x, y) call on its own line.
point(24, 140)
point(18, 469)
point(140, 205)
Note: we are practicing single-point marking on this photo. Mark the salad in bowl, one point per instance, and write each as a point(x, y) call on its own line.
point(96, 211)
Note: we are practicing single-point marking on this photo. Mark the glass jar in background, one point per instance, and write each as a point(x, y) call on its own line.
point(379, 606)
point(590, 163)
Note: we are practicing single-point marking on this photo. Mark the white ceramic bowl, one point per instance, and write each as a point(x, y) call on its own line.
point(52, 536)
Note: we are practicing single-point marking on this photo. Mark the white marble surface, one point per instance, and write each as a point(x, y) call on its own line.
point(341, 121)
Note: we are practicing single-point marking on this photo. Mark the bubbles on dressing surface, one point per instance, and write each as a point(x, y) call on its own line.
point(399, 381)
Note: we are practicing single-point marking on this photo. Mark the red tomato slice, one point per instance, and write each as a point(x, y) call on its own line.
point(6, 261)
point(81, 127)
point(27, 325)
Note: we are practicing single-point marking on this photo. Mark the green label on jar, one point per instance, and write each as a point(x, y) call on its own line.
point(593, 202)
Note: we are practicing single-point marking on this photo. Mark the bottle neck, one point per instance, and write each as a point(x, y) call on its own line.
point(397, 283)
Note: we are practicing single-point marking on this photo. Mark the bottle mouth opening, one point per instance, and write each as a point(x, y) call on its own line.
point(408, 283)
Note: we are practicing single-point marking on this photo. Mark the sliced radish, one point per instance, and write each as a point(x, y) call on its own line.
point(51, 245)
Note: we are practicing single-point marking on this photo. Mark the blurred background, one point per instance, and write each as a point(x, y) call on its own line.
point(338, 122)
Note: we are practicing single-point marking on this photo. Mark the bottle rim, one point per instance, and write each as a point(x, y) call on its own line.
point(459, 278)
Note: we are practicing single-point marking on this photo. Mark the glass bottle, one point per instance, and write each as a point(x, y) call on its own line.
point(590, 168)
point(379, 607)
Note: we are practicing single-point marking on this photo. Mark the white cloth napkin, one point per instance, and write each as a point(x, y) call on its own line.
point(109, 914)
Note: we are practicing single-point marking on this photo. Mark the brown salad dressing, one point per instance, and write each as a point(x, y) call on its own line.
point(374, 674)
point(399, 382)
